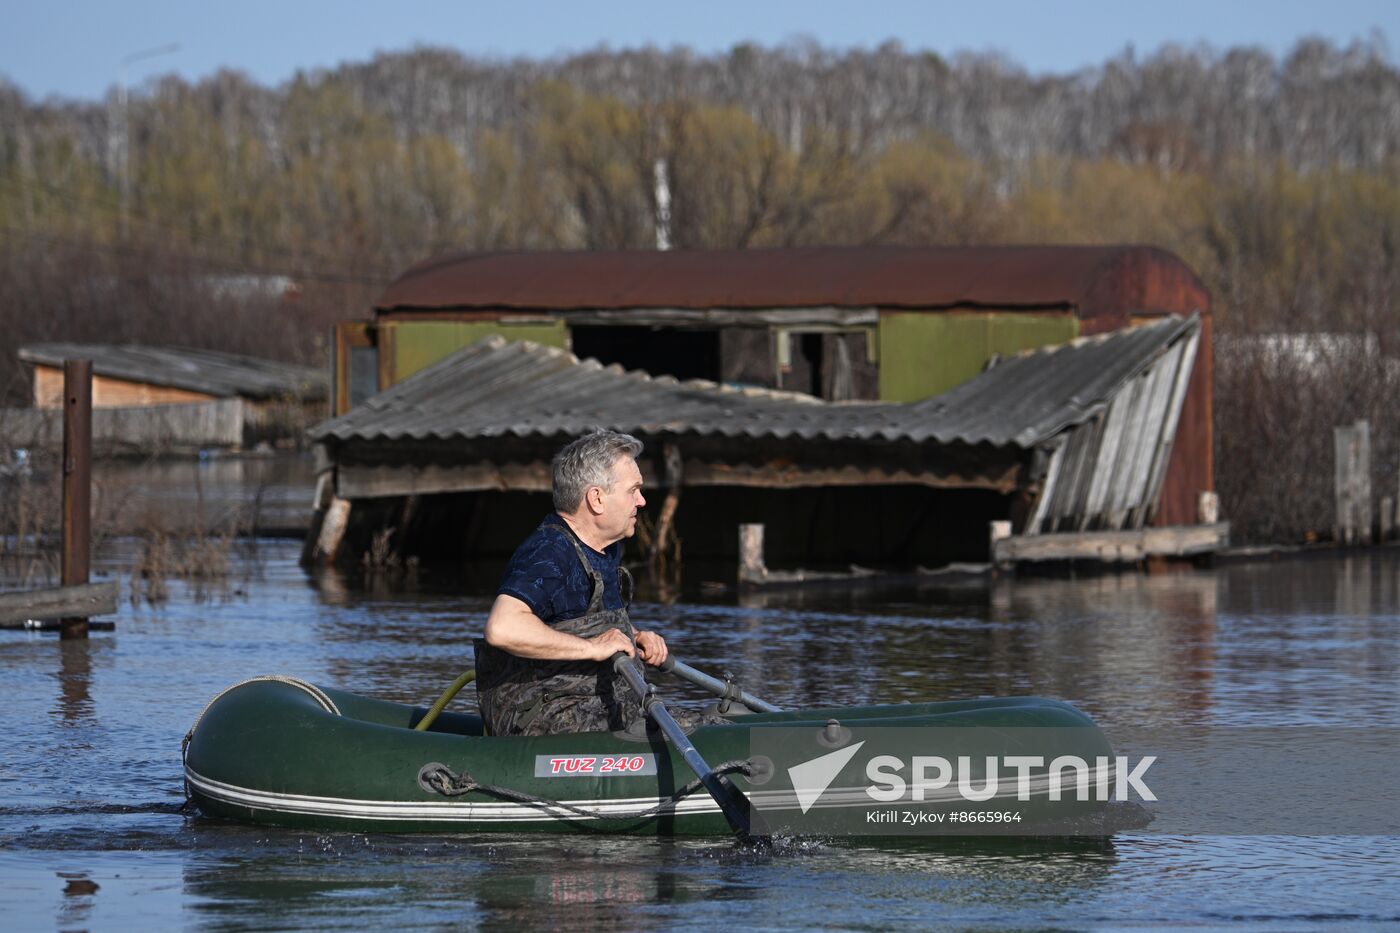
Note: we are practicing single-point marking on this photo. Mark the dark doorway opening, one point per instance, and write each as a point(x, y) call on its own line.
point(807, 364)
point(833, 366)
point(685, 354)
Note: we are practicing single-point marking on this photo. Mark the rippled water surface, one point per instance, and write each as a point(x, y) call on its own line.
point(92, 835)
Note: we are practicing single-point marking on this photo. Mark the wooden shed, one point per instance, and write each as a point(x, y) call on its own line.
point(892, 324)
point(158, 398)
point(1062, 451)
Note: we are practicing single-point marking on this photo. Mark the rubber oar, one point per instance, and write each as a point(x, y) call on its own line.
point(724, 689)
point(747, 824)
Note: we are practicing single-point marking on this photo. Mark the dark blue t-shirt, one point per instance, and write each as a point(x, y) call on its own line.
point(545, 574)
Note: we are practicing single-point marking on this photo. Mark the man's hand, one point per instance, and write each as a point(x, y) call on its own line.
point(609, 643)
point(653, 648)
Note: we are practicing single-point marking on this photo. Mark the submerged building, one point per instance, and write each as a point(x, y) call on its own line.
point(873, 406)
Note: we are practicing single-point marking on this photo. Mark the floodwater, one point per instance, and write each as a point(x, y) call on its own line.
point(92, 834)
point(248, 491)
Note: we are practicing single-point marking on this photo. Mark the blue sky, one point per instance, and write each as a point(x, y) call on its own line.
point(74, 49)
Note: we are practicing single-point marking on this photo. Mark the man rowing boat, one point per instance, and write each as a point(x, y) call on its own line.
point(561, 608)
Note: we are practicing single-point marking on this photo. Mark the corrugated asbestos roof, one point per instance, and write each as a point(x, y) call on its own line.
point(1032, 396)
point(495, 388)
point(218, 374)
point(844, 277)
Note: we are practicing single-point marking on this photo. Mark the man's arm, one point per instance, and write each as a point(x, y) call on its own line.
point(512, 627)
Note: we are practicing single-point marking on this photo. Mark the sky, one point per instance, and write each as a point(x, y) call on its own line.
point(75, 49)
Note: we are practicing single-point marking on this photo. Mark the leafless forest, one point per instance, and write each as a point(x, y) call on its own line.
point(176, 218)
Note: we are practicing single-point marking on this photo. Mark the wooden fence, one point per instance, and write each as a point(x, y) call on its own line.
point(152, 428)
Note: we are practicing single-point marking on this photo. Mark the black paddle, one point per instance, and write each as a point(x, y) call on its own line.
point(724, 689)
point(747, 824)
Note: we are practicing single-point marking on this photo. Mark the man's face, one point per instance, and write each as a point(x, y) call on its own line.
point(622, 500)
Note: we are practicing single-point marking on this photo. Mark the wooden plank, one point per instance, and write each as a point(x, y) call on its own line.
point(1147, 438)
point(1125, 455)
point(334, 524)
point(371, 482)
point(1207, 508)
point(56, 625)
point(1103, 463)
point(368, 482)
point(772, 476)
point(1352, 444)
point(88, 599)
point(1342, 530)
point(752, 568)
point(1362, 482)
point(672, 468)
point(1070, 500)
point(1047, 486)
point(1114, 546)
point(203, 424)
point(997, 531)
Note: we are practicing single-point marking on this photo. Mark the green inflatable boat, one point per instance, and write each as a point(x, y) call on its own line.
point(280, 751)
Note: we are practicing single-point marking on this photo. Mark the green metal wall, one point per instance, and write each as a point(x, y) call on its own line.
point(419, 344)
point(925, 353)
point(921, 353)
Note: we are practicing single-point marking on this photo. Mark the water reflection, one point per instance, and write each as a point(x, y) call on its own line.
point(76, 907)
point(75, 679)
point(973, 874)
point(555, 885)
point(272, 491)
point(506, 883)
point(1099, 639)
point(550, 882)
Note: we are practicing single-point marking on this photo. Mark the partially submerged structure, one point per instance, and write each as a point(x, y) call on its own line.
point(868, 405)
point(454, 460)
point(148, 397)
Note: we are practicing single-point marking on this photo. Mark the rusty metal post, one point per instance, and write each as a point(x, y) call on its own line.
point(77, 482)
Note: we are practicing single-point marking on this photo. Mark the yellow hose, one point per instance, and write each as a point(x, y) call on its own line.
point(443, 700)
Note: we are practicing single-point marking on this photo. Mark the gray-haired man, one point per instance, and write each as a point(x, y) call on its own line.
point(561, 611)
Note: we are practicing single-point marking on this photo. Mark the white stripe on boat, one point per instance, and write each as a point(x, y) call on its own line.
point(446, 811)
point(450, 811)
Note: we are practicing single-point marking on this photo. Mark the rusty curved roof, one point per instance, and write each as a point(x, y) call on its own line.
point(1091, 280)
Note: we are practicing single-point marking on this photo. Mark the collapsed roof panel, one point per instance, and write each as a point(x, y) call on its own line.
point(495, 388)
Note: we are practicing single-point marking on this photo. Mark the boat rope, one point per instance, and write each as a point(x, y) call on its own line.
point(436, 776)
